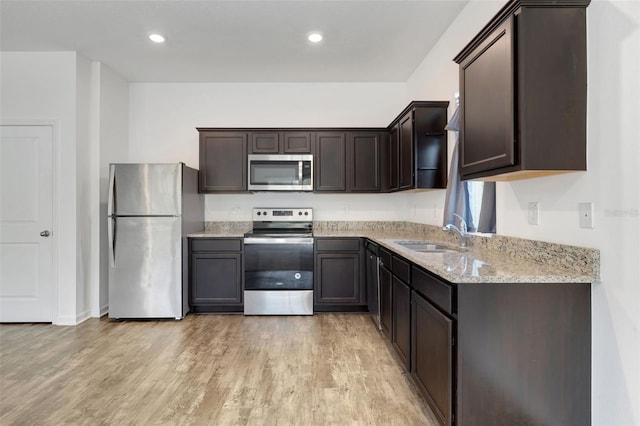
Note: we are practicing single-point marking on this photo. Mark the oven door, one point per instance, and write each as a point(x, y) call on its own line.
point(278, 263)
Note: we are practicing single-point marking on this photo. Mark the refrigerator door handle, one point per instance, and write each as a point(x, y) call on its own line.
point(112, 187)
point(111, 230)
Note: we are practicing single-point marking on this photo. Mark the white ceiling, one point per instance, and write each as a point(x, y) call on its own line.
point(235, 40)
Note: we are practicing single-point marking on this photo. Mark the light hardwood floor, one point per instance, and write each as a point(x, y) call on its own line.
point(206, 369)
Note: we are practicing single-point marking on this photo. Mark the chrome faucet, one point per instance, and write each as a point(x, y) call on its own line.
point(464, 236)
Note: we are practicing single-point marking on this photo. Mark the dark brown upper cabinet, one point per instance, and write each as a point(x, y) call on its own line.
point(223, 161)
point(523, 92)
point(390, 157)
point(265, 142)
point(363, 161)
point(348, 161)
point(405, 152)
point(273, 142)
point(417, 148)
point(330, 162)
point(297, 142)
point(410, 153)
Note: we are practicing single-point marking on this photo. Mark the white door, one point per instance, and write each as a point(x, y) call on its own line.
point(26, 219)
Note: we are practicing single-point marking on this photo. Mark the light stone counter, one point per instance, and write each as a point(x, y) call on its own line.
point(223, 230)
point(489, 259)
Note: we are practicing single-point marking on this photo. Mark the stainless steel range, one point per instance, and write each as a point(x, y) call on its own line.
point(278, 264)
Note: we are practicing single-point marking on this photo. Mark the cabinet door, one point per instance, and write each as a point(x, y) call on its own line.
point(364, 162)
point(297, 142)
point(216, 279)
point(430, 147)
point(487, 104)
point(385, 300)
point(265, 142)
point(432, 356)
point(223, 161)
point(330, 162)
point(401, 322)
point(337, 278)
point(371, 274)
point(405, 169)
point(393, 159)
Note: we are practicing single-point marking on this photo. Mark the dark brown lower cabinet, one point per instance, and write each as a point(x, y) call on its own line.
point(215, 275)
point(432, 356)
point(401, 322)
point(339, 275)
point(491, 353)
point(524, 354)
point(385, 300)
point(385, 293)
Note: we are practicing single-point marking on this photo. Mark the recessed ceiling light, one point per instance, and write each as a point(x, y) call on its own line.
point(156, 38)
point(315, 37)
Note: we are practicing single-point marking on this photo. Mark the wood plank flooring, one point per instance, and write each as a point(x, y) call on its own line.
point(328, 369)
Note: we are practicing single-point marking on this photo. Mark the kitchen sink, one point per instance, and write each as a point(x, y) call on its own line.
point(424, 246)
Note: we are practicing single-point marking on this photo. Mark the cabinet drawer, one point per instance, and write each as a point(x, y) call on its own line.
point(338, 244)
point(439, 293)
point(216, 244)
point(401, 269)
point(385, 258)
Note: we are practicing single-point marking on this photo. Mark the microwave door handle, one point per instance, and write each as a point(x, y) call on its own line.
point(300, 179)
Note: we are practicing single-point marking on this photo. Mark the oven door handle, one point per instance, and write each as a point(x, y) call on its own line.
point(255, 240)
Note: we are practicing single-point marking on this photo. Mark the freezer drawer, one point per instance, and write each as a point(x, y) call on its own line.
point(145, 267)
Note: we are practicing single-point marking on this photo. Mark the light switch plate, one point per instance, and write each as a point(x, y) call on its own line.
point(534, 213)
point(586, 215)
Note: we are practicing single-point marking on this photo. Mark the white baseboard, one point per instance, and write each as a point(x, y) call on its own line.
point(73, 320)
point(82, 317)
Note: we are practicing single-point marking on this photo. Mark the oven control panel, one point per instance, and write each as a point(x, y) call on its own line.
point(282, 215)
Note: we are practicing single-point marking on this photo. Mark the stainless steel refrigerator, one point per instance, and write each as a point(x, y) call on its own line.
point(151, 209)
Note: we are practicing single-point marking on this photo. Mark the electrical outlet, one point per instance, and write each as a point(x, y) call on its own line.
point(534, 213)
point(586, 215)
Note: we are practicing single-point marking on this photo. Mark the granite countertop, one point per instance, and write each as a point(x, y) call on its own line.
point(217, 234)
point(473, 265)
point(489, 259)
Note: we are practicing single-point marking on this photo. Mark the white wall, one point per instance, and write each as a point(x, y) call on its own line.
point(611, 183)
point(89, 106)
point(113, 140)
point(358, 207)
point(85, 220)
point(163, 119)
point(436, 78)
point(164, 116)
point(40, 87)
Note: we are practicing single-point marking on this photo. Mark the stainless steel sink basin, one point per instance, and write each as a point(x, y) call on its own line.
point(423, 246)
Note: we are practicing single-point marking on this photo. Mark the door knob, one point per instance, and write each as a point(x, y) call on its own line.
point(45, 233)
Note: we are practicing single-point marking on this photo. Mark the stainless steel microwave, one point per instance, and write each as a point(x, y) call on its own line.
point(280, 172)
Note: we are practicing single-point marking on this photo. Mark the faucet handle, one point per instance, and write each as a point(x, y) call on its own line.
point(463, 223)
